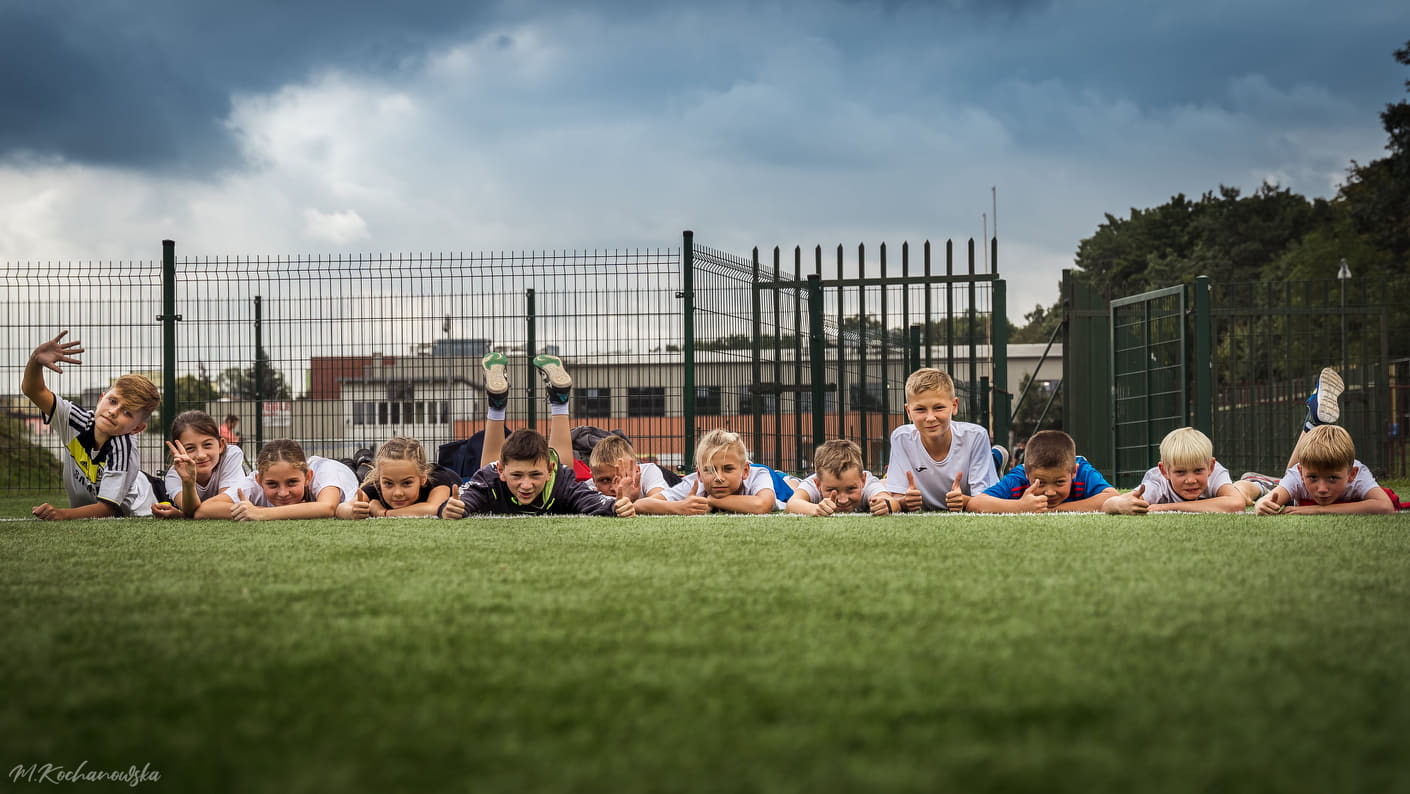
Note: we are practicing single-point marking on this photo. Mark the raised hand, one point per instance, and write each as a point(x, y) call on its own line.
point(628, 480)
point(55, 352)
point(955, 500)
point(1033, 500)
point(185, 466)
point(912, 498)
point(825, 508)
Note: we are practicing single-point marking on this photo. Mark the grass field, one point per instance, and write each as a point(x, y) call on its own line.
point(912, 653)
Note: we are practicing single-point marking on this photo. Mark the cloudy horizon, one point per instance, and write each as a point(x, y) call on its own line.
point(331, 128)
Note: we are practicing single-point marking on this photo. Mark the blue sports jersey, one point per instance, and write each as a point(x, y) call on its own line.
point(1087, 482)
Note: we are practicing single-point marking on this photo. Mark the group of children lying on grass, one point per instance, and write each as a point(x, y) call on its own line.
point(937, 464)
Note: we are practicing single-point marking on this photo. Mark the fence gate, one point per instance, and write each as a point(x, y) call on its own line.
point(1149, 376)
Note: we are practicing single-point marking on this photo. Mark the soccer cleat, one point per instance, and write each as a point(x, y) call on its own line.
point(1265, 483)
point(1322, 408)
point(496, 384)
point(560, 383)
point(1001, 459)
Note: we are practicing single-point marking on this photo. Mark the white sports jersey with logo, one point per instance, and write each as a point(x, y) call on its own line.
point(112, 473)
point(325, 473)
point(970, 457)
point(1159, 491)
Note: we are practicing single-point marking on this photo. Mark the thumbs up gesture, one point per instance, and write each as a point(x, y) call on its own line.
point(911, 499)
point(454, 508)
point(356, 508)
point(243, 509)
point(825, 508)
point(1130, 504)
point(956, 500)
point(624, 507)
point(1033, 500)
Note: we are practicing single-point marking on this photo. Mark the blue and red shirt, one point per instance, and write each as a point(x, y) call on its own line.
point(1086, 482)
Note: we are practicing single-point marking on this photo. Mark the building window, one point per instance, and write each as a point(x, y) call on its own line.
point(592, 402)
point(646, 401)
point(750, 403)
point(381, 413)
point(365, 413)
point(707, 400)
point(805, 400)
point(869, 399)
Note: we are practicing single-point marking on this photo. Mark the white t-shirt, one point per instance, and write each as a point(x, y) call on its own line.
point(1159, 491)
point(970, 456)
point(758, 479)
point(230, 468)
point(871, 487)
point(112, 473)
point(651, 478)
point(325, 473)
point(1356, 490)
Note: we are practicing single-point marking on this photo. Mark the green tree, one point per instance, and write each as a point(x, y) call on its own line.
point(241, 383)
point(192, 392)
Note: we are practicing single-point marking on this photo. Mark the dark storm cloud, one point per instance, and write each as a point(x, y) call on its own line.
point(147, 84)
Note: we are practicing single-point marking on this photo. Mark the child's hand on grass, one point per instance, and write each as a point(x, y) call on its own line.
point(354, 510)
point(882, 505)
point(244, 509)
point(825, 508)
point(46, 512)
point(624, 507)
point(166, 510)
point(692, 506)
point(1267, 506)
point(55, 352)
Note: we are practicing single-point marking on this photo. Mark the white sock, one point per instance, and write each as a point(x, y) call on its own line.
point(497, 414)
point(558, 409)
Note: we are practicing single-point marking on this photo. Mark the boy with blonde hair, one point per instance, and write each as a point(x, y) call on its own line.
point(102, 471)
point(840, 484)
point(937, 462)
point(1187, 479)
point(1053, 477)
point(1327, 478)
point(617, 472)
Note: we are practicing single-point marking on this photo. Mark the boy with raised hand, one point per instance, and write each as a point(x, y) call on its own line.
point(102, 472)
point(840, 484)
point(617, 472)
point(528, 479)
point(935, 454)
point(1053, 477)
point(1327, 478)
point(1187, 479)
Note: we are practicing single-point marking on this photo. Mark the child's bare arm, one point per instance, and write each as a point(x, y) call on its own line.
point(217, 506)
point(48, 512)
point(1376, 502)
point(433, 502)
point(1093, 502)
point(48, 355)
point(757, 504)
point(1227, 500)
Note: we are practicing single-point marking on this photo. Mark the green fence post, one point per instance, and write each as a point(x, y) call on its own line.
point(913, 350)
point(816, 353)
point(168, 318)
point(530, 343)
point(778, 367)
point(1204, 388)
point(755, 404)
point(999, 358)
point(796, 464)
point(687, 296)
point(259, 371)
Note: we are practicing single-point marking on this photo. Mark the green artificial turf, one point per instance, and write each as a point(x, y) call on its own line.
point(909, 653)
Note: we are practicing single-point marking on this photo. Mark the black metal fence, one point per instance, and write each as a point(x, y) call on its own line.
point(343, 352)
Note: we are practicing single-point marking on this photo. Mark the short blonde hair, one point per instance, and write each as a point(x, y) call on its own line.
point(1186, 446)
point(717, 441)
point(610, 450)
point(929, 379)
point(137, 394)
point(1327, 447)
point(837, 456)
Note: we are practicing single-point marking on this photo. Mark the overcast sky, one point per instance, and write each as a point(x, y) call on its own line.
point(265, 127)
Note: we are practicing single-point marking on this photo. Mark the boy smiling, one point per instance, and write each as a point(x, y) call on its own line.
point(1053, 477)
point(937, 462)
